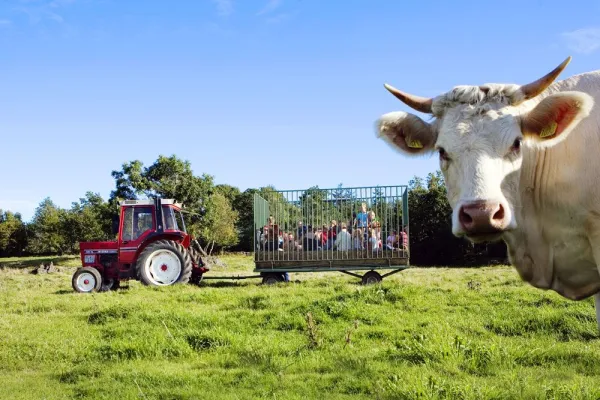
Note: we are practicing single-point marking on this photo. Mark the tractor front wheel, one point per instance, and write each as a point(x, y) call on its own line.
point(163, 263)
point(86, 280)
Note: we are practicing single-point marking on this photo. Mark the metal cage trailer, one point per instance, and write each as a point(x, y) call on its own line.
point(348, 230)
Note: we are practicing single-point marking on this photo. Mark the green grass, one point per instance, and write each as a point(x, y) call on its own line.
point(430, 333)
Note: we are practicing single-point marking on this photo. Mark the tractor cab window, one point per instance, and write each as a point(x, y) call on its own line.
point(136, 221)
point(172, 219)
point(179, 219)
point(169, 219)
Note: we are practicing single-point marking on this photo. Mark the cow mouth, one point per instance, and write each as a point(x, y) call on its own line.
point(481, 237)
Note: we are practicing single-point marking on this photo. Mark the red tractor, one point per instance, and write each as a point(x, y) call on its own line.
point(152, 246)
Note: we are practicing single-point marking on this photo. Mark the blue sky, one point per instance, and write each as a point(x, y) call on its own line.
point(253, 92)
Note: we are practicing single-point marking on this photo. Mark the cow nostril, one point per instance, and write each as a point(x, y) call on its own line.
point(499, 214)
point(464, 218)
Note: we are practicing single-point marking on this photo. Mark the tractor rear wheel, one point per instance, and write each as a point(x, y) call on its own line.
point(163, 263)
point(110, 284)
point(86, 280)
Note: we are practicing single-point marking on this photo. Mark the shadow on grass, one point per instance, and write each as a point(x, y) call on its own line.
point(120, 289)
point(225, 283)
point(28, 262)
point(64, 291)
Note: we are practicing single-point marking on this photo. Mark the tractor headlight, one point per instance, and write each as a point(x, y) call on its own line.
point(89, 259)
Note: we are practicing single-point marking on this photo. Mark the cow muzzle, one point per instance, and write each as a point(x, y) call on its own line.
point(483, 219)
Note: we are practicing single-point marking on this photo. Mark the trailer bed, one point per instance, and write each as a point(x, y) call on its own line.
point(305, 261)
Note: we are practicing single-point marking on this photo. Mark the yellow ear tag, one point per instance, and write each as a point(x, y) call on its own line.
point(549, 130)
point(415, 144)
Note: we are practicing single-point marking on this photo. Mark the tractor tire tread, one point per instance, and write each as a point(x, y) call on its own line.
point(186, 267)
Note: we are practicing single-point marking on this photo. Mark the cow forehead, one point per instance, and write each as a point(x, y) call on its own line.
point(485, 125)
point(494, 94)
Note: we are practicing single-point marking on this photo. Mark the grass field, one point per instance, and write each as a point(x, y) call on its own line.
point(429, 333)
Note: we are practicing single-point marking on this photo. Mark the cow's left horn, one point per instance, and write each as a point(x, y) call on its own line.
point(418, 103)
point(534, 88)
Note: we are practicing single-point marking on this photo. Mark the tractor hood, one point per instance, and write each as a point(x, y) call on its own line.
point(98, 247)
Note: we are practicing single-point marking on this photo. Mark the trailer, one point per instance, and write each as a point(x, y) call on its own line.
point(358, 231)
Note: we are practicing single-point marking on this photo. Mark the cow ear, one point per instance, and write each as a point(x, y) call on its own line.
point(556, 116)
point(406, 132)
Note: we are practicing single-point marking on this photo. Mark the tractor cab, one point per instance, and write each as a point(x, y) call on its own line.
point(152, 245)
point(143, 220)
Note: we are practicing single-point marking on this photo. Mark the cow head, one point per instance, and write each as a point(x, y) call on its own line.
point(480, 134)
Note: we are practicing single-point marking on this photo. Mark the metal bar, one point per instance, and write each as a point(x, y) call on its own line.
point(347, 188)
point(393, 272)
point(350, 273)
point(232, 277)
point(317, 269)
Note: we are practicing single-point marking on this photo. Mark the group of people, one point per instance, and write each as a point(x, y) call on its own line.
point(363, 232)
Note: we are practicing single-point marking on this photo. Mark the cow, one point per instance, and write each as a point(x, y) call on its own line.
point(521, 164)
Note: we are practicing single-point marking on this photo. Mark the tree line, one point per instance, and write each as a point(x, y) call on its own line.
point(221, 217)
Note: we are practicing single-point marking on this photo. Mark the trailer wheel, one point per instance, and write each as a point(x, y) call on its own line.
point(86, 280)
point(163, 263)
point(272, 278)
point(371, 277)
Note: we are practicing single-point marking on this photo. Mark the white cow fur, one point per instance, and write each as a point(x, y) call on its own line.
point(551, 190)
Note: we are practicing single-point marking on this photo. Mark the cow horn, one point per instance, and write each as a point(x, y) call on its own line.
point(418, 103)
point(534, 88)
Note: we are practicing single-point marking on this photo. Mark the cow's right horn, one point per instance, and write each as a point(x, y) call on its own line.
point(418, 103)
point(534, 88)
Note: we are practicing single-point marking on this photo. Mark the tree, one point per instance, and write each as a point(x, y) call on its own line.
point(90, 219)
point(230, 192)
point(219, 223)
point(47, 227)
point(13, 235)
point(431, 238)
point(167, 177)
point(244, 206)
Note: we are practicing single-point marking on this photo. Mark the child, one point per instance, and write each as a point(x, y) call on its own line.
point(357, 239)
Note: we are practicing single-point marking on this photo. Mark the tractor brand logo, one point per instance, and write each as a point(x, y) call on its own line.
point(100, 251)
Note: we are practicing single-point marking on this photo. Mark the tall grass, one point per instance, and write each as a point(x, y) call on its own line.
point(423, 334)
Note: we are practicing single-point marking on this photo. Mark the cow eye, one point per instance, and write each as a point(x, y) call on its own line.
point(516, 146)
point(443, 154)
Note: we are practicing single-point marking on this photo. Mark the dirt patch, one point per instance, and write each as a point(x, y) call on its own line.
point(213, 261)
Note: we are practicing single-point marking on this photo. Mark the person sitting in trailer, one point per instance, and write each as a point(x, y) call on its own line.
point(301, 231)
point(289, 244)
point(332, 232)
point(373, 243)
point(404, 237)
point(272, 236)
point(372, 219)
point(309, 242)
point(343, 241)
point(392, 240)
point(374, 223)
point(319, 238)
point(357, 239)
point(325, 237)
